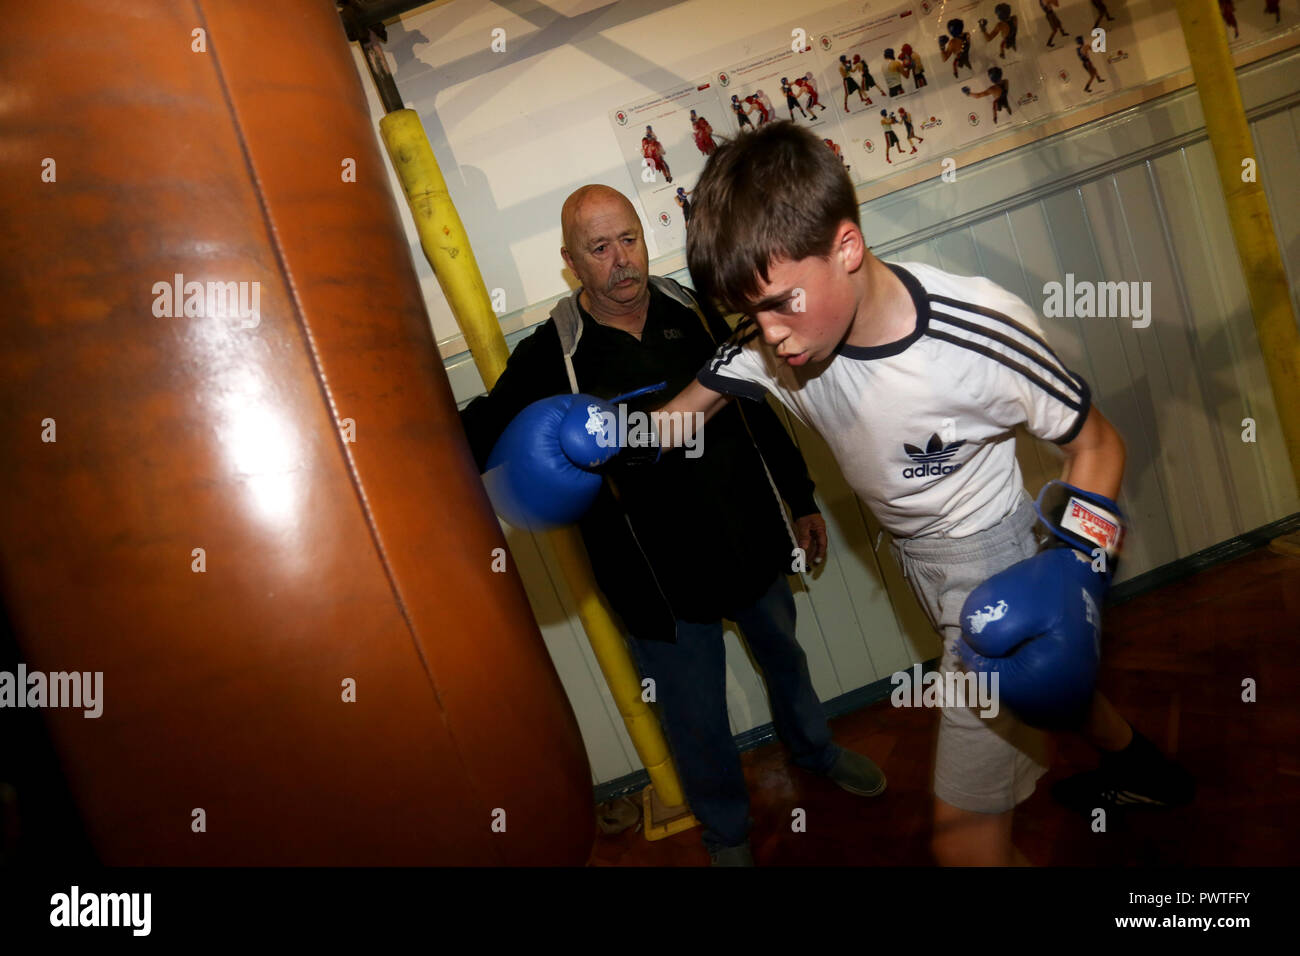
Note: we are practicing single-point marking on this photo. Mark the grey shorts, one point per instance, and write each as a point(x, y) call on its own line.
point(987, 765)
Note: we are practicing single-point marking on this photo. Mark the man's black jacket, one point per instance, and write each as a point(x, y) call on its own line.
point(706, 535)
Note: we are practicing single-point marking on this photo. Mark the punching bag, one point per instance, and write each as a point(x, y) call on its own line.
point(235, 482)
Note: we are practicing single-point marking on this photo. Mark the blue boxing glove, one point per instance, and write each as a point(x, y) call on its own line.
point(1037, 624)
point(545, 468)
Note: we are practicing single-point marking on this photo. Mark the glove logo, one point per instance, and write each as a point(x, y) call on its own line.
point(987, 615)
point(932, 460)
point(597, 426)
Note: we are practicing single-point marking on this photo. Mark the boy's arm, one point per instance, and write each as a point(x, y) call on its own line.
point(1094, 460)
point(677, 422)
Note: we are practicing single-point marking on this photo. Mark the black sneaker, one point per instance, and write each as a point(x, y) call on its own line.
point(1138, 777)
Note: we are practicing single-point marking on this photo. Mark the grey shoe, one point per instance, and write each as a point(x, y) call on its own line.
point(732, 856)
point(857, 774)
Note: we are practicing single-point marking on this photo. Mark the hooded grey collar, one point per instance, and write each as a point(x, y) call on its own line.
point(568, 320)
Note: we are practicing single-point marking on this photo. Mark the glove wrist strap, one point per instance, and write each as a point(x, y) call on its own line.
point(1083, 520)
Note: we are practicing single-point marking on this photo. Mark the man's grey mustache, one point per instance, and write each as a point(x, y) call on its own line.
point(618, 275)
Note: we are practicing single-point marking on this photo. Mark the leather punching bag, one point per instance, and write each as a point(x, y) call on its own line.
point(303, 436)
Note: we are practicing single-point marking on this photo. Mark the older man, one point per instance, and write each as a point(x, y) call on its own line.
point(682, 544)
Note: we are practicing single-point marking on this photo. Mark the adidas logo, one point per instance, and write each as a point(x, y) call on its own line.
point(932, 460)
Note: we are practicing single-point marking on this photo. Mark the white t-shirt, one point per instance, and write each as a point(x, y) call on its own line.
point(922, 427)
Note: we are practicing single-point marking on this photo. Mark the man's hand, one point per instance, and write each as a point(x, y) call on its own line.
point(810, 531)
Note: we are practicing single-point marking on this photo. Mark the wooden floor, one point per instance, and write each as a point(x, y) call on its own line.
point(1174, 662)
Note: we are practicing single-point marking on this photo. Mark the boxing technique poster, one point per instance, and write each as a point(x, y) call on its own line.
point(910, 84)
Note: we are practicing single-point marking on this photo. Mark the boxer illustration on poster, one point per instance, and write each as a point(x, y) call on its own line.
point(1000, 89)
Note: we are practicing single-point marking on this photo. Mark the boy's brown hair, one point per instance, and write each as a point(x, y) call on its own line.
point(777, 192)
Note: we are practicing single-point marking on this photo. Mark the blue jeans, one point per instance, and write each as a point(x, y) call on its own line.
point(691, 691)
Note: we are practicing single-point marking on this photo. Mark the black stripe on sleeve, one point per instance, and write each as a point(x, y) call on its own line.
point(1076, 404)
point(711, 376)
point(1079, 384)
point(727, 385)
point(999, 317)
point(1059, 371)
point(1073, 433)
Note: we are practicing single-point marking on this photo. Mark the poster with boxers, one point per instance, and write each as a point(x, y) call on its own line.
point(892, 113)
point(900, 86)
point(779, 84)
point(665, 141)
point(1060, 32)
point(1249, 21)
point(997, 81)
point(1111, 45)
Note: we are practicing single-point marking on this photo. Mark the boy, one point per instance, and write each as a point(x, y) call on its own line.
point(879, 356)
point(850, 84)
point(912, 65)
point(894, 73)
point(1086, 60)
point(791, 102)
point(1001, 88)
point(653, 150)
point(956, 44)
point(1053, 20)
point(887, 121)
point(703, 134)
point(806, 84)
point(1007, 27)
point(906, 117)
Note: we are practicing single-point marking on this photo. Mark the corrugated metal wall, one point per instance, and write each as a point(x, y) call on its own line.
point(1131, 198)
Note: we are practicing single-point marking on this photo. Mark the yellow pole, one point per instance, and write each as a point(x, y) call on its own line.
point(446, 245)
point(1252, 227)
